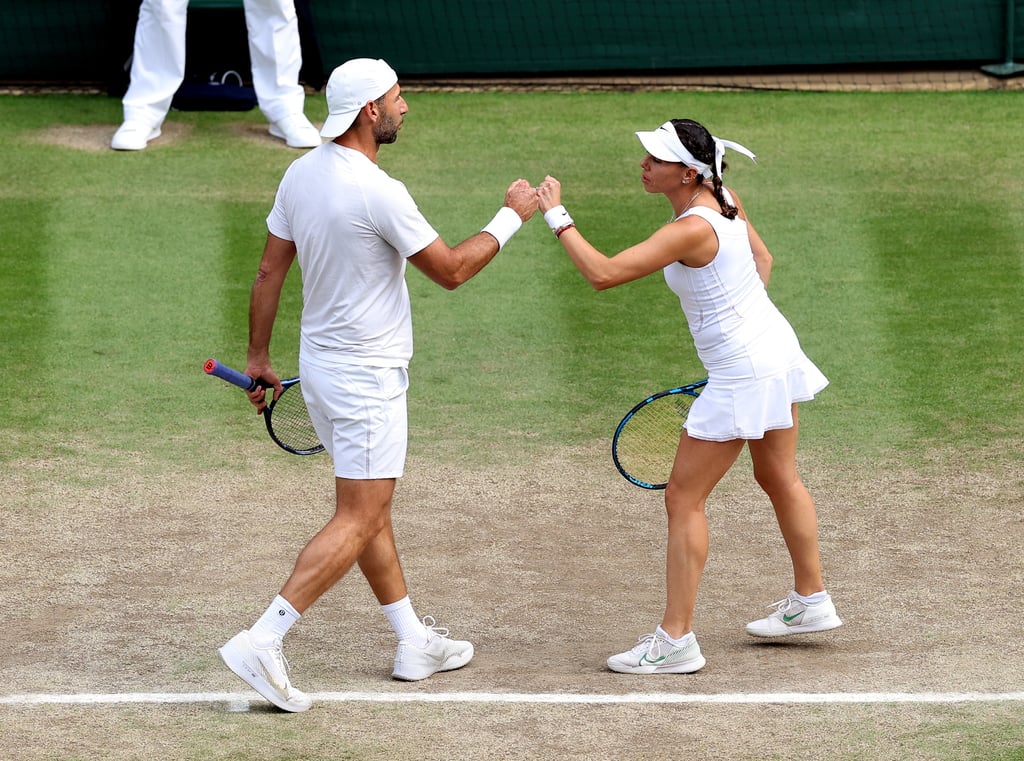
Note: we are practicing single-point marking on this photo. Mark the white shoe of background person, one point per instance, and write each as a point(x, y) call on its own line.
point(133, 136)
point(297, 131)
point(793, 616)
point(413, 663)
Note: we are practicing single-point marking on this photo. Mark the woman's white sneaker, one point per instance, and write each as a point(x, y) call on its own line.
point(792, 616)
point(653, 654)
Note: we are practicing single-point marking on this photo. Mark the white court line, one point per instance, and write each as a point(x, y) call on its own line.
point(239, 700)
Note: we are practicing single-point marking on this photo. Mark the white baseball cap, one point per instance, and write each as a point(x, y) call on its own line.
point(351, 86)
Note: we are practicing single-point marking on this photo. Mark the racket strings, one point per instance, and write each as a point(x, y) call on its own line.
point(647, 443)
point(289, 422)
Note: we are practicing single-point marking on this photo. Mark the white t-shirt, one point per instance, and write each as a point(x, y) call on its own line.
point(353, 227)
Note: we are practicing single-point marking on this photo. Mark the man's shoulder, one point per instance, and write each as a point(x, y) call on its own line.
point(346, 171)
point(377, 181)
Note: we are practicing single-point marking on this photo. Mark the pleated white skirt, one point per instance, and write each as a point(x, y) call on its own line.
point(744, 408)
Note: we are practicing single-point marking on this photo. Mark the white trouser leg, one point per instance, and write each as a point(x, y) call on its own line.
point(158, 61)
point(276, 56)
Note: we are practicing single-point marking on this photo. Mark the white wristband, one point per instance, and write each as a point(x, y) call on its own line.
point(504, 225)
point(557, 218)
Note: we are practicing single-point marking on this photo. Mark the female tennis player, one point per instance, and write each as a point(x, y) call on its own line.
point(718, 266)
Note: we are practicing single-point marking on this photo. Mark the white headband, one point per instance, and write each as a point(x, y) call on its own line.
point(664, 144)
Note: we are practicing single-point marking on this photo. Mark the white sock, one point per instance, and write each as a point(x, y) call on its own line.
point(683, 641)
point(274, 623)
point(406, 624)
point(814, 599)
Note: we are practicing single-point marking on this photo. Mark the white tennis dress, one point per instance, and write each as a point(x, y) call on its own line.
point(756, 368)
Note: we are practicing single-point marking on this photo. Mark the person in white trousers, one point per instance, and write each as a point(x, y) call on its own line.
point(158, 69)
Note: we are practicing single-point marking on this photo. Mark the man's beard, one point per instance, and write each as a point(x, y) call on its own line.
point(385, 131)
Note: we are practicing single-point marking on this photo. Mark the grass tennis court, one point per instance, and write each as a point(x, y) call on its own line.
point(146, 516)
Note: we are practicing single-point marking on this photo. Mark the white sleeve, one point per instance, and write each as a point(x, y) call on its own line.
point(277, 220)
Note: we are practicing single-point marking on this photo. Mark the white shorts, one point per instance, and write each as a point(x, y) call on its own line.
point(360, 414)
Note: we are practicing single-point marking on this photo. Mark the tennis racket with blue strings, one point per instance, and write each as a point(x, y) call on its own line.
point(645, 442)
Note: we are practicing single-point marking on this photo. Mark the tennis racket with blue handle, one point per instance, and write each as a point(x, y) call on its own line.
point(645, 442)
point(286, 416)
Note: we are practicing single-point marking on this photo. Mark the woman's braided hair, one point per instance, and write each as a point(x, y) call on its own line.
point(698, 141)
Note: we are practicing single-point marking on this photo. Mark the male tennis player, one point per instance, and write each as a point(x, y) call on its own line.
point(352, 228)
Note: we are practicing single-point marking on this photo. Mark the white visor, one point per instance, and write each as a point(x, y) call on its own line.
point(664, 144)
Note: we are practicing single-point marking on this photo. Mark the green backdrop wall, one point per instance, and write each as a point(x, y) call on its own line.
point(89, 40)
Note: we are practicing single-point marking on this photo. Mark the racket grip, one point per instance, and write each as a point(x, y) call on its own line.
point(213, 367)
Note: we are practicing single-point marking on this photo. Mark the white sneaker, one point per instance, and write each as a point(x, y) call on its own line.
point(265, 670)
point(439, 654)
point(133, 136)
point(653, 654)
point(794, 617)
point(296, 131)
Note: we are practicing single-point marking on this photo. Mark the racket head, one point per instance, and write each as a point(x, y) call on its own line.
point(288, 421)
point(646, 439)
